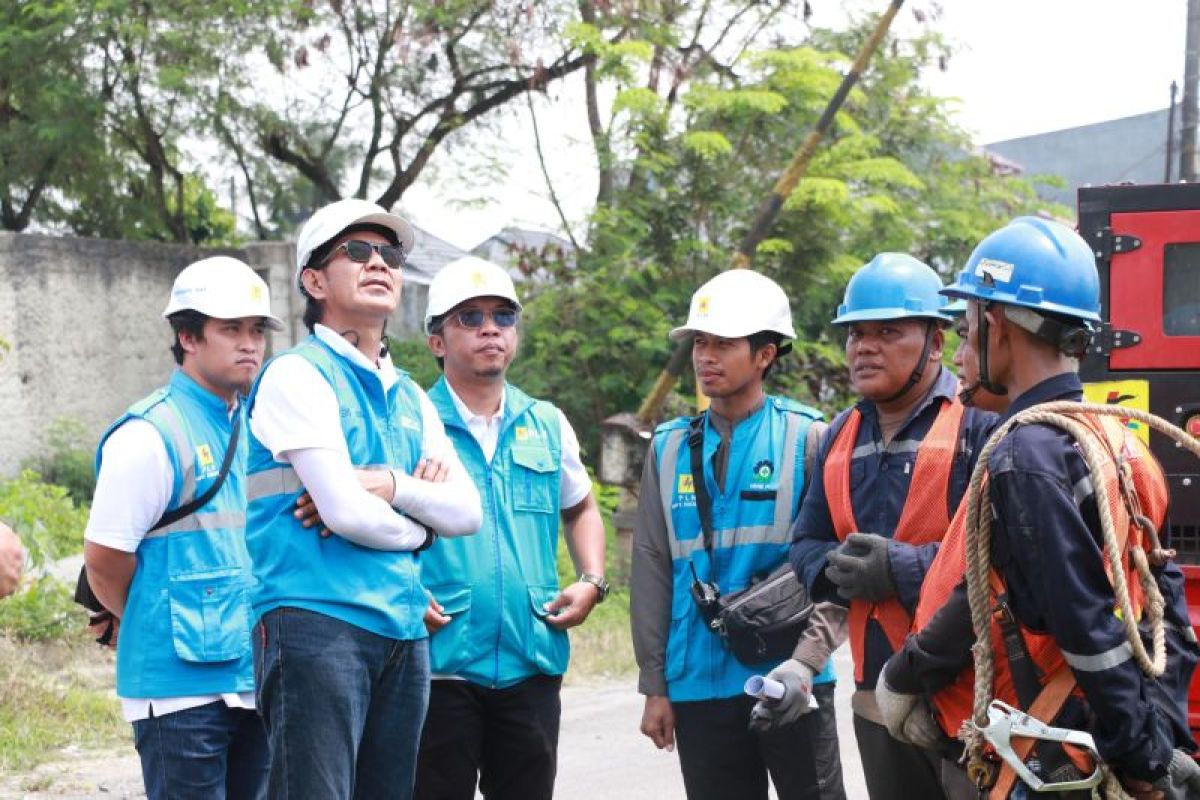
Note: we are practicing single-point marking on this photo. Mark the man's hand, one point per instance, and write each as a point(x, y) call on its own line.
point(103, 626)
point(1144, 790)
point(797, 679)
point(907, 717)
point(378, 482)
point(859, 568)
point(12, 560)
point(435, 617)
point(658, 722)
point(572, 605)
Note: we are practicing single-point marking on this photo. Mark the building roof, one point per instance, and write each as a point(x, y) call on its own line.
point(429, 255)
point(1126, 150)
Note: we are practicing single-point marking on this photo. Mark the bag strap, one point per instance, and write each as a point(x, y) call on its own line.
point(695, 440)
point(84, 595)
point(211, 492)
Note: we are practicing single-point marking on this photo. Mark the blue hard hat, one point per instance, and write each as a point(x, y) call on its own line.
point(1035, 263)
point(955, 309)
point(892, 286)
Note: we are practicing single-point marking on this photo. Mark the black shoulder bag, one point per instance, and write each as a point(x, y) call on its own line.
point(762, 622)
point(84, 595)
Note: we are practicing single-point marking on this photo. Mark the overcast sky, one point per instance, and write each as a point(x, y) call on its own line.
point(1024, 67)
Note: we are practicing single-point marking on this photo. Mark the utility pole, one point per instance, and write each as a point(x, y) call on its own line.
point(1191, 78)
point(1170, 134)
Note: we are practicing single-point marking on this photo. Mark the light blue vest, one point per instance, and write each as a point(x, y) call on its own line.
point(752, 520)
point(375, 590)
point(493, 584)
point(186, 629)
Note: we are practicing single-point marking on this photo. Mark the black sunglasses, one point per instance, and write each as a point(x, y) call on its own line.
point(474, 317)
point(360, 251)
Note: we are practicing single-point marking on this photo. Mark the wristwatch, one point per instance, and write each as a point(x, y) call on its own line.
point(597, 581)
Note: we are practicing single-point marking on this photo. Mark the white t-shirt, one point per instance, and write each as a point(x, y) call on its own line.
point(132, 492)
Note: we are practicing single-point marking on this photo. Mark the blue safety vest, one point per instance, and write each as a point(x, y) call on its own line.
point(186, 629)
point(379, 591)
point(493, 585)
point(752, 520)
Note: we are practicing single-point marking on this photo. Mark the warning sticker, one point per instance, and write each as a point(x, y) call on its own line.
point(1134, 394)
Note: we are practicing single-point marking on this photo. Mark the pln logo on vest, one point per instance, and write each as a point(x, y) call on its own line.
point(208, 464)
point(685, 492)
point(762, 473)
point(524, 434)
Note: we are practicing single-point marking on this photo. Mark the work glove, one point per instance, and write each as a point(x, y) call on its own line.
point(907, 717)
point(859, 568)
point(797, 680)
point(1184, 777)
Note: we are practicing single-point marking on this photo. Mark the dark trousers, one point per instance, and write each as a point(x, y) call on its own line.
point(722, 759)
point(208, 752)
point(895, 770)
point(342, 707)
point(504, 739)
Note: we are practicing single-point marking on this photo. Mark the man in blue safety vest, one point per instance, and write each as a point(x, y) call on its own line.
point(756, 452)
point(165, 545)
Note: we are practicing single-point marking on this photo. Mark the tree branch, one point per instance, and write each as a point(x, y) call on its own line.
point(537, 144)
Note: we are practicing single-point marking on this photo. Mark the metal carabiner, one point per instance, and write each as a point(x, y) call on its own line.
point(1005, 722)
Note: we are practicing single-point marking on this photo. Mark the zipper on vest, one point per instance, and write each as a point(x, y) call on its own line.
point(499, 578)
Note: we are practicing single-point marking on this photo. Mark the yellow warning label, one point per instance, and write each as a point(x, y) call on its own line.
point(685, 485)
point(1134, 394)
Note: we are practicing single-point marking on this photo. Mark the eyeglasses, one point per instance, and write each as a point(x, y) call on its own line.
point(474, 317)
point(360, 251)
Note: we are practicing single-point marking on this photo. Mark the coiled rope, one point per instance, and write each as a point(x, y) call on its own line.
point(978, 552)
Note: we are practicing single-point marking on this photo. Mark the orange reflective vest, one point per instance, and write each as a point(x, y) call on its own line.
point(923, 519)
point(953, 704)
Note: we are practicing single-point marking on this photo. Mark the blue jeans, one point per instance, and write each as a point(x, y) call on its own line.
point(207, 753)
point(343, 707)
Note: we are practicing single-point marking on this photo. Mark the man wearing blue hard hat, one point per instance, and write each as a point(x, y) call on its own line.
point(890, 473)
point(1033, 300)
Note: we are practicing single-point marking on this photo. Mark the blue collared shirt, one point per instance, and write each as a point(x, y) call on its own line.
point(879, 481)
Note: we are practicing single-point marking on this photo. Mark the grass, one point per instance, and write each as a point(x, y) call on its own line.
point(54, 694)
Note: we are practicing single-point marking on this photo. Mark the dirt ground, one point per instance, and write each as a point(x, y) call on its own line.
point(601, 755)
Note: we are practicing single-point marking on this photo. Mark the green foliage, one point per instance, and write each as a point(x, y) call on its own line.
point(42, 611)
point(413, 356)
point(67, 460)
point(49, 524)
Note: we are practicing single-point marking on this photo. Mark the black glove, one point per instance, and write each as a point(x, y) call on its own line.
point(859, 568)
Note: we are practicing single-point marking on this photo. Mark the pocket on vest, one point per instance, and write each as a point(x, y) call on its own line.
point(549, 647)
point(533, 479)
point(677, 641)
point(210, 621)
point(450, 648)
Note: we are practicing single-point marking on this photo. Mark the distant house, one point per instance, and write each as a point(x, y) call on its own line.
point(1126, 150)
point(428, 257)
point(506, 247)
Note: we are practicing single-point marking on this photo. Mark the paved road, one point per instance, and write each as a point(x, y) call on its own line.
point(602, 755)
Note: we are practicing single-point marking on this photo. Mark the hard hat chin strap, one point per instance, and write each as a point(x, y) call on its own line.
point(919, 371)
point(985, 381)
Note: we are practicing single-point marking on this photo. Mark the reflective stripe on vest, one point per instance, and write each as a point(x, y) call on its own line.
point(953, 704)
point(924, 518)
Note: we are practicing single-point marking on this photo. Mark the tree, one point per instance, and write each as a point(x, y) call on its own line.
point(696, 159)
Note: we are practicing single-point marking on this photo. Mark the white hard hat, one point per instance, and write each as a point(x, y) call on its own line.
point(224, 288)
point(463, 279)
point(329, 221)
point(737, 303)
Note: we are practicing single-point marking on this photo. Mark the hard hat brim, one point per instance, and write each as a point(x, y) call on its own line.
point(885, 314)
point(985, 295)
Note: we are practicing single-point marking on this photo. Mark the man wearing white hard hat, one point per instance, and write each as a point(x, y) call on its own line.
point(499, 644)
point(165, 545)
point(341, 653)
point(723, 526)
